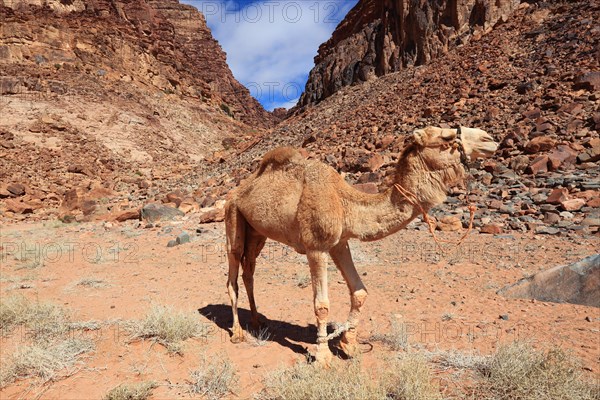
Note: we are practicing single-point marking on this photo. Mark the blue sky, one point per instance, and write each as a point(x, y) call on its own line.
point(271, 44)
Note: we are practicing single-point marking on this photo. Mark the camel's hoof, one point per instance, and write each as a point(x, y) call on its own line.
point(238, 335)
point(349, 349)
point(237, 339)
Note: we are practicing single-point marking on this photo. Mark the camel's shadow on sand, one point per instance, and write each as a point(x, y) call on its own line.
point(295, 337)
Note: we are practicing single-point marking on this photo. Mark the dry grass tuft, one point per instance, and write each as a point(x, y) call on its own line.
point(94, 283)
point(454, 359)
point(260, 337)
point(167, 327)
point(411, 379)
point(42, 320)
point(396, 339)
point(517, 371)
point(214, 378)
point(45, 361)
point(407, 378)
point(131, 391)
point(302, 280)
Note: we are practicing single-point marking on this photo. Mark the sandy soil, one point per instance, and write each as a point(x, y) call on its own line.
point(445, 301)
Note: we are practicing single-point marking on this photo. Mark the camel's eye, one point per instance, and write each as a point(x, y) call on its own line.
point(448, 138)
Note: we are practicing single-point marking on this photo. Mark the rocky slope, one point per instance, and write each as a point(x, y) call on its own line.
point(111, 95)
point(378, 37)
point(532, 82)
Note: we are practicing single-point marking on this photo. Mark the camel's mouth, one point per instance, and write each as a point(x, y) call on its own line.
point(477, 143)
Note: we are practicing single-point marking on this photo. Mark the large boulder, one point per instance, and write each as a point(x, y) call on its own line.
point(576, 283)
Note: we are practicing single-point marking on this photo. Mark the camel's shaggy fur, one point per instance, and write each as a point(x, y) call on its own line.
point(307, 205)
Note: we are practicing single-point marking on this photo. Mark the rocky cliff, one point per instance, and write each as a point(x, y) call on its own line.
point(382, 36)
point(113, 97)
point(161, 44)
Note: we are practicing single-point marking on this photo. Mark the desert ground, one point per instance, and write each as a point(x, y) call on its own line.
point(434, 301)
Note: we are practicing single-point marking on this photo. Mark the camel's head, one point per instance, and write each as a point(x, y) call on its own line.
point(442, 148)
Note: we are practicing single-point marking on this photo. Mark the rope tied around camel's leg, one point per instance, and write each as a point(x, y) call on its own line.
point(339, 329)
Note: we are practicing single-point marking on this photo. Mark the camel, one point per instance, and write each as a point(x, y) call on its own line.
point(308, 206)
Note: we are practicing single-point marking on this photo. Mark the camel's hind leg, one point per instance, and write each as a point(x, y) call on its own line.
point(235, 229)
point(253, 245)
point(358, 294)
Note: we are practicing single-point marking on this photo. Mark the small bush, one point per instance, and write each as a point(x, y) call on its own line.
point(45, 361)
point(129, 391)
point(517, 371)
point(214, 379)
point(167, 327)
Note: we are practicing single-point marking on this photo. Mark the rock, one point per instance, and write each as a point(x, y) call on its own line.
point(78, 169)
point(211, 215)
point(491, 229)
point(538, 144)
point(374, 162)
point(572, 204)
point(591, 221)
point(503, 317)
point(70, 200)
point(589, 81)
point(183, 237)
point(546, 230)
point(591, 154)
point(519, 163)
point(157, 212)
point(575, 283)
point(557, 196)
point(88, 207)
point(370, 188)
point(539, 165)
point(16, 189)
point(595, 203)
point(449, 223)
point(172, 243)
point(566, 215)
point(173, 198)
point(22, 207)
point(533, 114)
point(127, 215)
point(561, 155)
point(551, 218)
point(189, 205)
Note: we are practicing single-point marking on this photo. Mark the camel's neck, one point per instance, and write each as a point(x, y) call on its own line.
point(382, 215)
point(372, 217)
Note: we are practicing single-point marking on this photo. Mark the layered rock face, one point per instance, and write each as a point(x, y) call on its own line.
point(162, 44)
point(111, 100)
point(382, 36)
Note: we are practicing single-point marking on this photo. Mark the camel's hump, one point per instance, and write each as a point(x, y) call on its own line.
point(279, 157)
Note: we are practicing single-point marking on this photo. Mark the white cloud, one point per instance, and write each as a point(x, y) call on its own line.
point(271, 45)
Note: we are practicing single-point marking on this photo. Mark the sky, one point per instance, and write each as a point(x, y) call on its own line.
point(271, 44)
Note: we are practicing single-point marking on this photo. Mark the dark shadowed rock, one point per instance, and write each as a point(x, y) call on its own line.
point(158, 212)
point(576, 283)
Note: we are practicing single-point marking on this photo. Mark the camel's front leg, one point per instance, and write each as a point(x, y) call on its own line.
point(358, 294)
point(318, 271)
